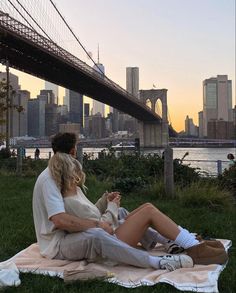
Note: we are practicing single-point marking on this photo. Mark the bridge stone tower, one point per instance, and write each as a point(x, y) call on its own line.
point(154, 134)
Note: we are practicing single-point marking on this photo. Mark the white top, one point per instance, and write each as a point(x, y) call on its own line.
point(79, 205)
point(47, 202)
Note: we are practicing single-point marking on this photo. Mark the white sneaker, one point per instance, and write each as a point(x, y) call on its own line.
point(174, 262)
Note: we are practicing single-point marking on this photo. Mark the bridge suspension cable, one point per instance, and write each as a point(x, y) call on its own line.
point(77, 39)
point(29, 16)
point(39, 16)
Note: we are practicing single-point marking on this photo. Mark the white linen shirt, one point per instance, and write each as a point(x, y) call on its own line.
point(47, 202)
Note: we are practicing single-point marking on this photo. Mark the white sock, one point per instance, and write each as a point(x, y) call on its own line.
point(161, 239)
point(154, 261)
point(185, 239)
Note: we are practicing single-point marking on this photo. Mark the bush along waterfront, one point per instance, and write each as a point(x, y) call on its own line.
point(134, 174)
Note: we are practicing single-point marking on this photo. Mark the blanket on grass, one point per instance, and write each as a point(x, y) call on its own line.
point(200, 278)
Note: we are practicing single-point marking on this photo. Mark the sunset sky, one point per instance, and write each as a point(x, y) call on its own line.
point(175, 43)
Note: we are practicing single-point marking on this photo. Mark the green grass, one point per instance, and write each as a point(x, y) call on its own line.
point(17, 232)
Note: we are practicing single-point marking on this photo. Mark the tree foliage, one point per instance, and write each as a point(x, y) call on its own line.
point(4, 104)
point(3, 107)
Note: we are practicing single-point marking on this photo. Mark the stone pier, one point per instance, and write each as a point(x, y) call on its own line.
point(154, 134)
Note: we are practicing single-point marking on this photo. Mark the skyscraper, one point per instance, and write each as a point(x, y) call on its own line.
point(217, 100)
point(132, 80)
point(36, 118)
point(126, 122)
point(74, 102)
point(54, 88)
point(190, 128)
point(99, 107)
point(19, 115)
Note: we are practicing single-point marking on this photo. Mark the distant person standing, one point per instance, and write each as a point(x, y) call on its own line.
point(231, 158)
point(36, 154)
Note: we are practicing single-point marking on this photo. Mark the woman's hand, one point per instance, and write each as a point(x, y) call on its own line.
point(112, 195)
point(117, 200)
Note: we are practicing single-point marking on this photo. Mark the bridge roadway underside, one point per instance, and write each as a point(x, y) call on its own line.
point(28, 57)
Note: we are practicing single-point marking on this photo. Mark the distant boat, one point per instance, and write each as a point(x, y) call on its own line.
point(123, 146)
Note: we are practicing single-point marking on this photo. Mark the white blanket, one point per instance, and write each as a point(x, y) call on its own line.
point(200, 278)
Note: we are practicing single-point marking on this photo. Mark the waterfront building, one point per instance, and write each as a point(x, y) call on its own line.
point(99, 107)
point(190, 128)
point(132, 81)
point(220, 129)
point(86, 109)
point(19, 114)
point(126, 122)
point(217, 101)
point(36, 118)
point(62, 110)
point(234, 115)
point(48, 96)
point(54, 88)
point(74, 102)
point(98, 126)
point(132, 86)
point(70, 127)
point(51, 119)
point(200, 124)
point(95, 126)
point(87, 125)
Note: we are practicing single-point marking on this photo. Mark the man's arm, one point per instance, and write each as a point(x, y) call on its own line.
point(70, 223)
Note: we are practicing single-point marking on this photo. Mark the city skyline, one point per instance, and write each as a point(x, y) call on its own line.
point(176, 45)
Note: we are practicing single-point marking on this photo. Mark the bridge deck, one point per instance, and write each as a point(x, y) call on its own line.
point(28, 51)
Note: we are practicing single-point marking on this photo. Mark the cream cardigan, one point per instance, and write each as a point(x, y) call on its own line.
point(79, 205)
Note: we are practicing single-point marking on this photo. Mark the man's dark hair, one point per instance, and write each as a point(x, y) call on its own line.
point(64, 142)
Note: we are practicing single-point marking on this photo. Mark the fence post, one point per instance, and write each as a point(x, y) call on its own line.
point(19, 161)
point(80, 154)
point(219, 167)
point(49, 155)
point(168, 171)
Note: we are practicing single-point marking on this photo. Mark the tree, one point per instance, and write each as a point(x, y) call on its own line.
point(3, 107)
point(6, 104)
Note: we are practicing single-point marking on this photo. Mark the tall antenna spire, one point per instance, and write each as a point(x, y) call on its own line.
point(98, 53)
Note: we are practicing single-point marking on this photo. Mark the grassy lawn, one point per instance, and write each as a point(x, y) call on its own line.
point(17, 232)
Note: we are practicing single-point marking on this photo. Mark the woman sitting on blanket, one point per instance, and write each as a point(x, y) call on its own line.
point(69, 177)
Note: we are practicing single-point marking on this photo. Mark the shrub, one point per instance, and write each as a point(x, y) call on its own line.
point(128, 184)
point(156, 190)
point(5, 153)
point(135, 171)
point(228, 179)
point(202, 194)
point(96, 187)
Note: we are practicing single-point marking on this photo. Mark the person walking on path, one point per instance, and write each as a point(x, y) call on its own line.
point(37, 154)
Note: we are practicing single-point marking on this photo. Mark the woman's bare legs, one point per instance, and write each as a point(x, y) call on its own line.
point(132, 230)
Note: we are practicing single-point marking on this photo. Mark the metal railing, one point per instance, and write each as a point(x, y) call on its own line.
point(219, 166)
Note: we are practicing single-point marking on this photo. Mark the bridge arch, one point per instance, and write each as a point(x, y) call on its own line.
point(154, 134)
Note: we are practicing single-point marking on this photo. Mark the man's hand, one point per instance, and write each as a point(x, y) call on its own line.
point(107, 226)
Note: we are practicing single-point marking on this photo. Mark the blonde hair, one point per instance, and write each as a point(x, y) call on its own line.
point(66, 171)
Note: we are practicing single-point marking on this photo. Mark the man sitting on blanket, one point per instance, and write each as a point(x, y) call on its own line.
point(63, 235)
